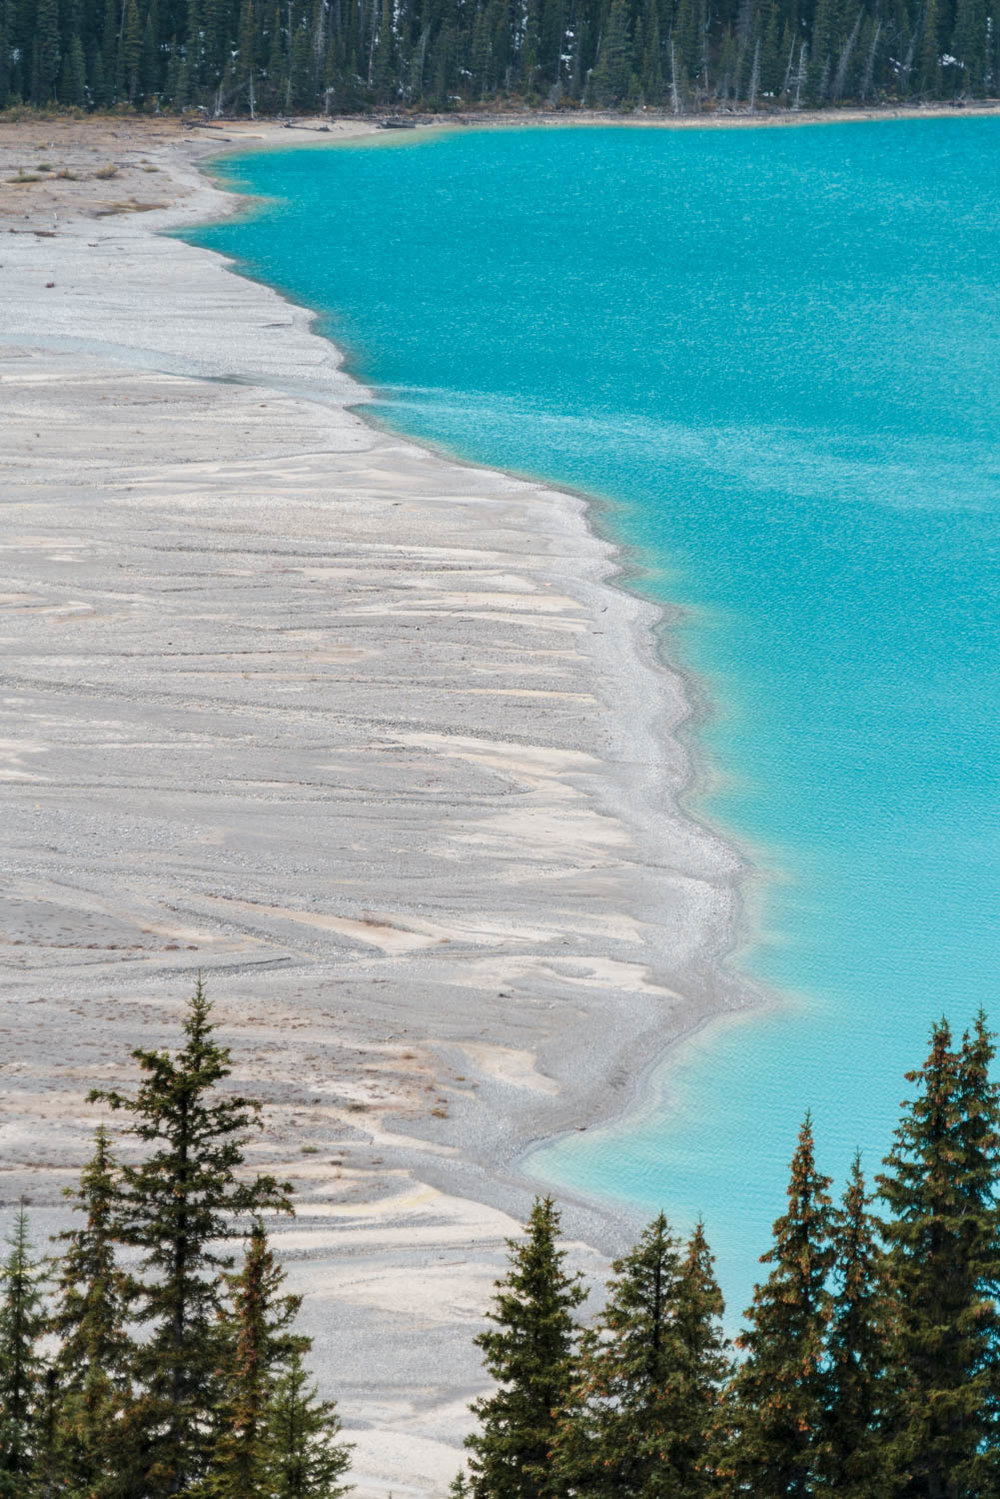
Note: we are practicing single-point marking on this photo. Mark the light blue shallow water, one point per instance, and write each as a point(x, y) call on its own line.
point(779, 352)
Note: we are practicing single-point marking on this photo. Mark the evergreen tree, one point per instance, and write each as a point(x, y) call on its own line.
point(178, 1206)
point(943, 1240)
point(858, 1348)
point(530, 1353)
point(48, 53)
point(95, 1454)
point(640, 1420)
point(149, 60)
point(22, 1323)
point(132, 50)
point(384, 69)
point(73, 80)
point(257, 1342)
point(308, 1458)
point(246, 62)
point(114, 19)
point(781, 1390)
point(611, 75)
point(930, 51)
point(708, 1358)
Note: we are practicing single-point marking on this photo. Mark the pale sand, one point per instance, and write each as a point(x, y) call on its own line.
point(368, 737)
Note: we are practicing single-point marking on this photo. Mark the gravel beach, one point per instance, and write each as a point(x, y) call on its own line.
point(370, 739)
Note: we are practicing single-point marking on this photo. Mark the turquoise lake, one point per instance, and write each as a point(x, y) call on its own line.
point(778, 352)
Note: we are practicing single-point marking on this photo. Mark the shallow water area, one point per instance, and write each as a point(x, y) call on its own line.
point(778, 354)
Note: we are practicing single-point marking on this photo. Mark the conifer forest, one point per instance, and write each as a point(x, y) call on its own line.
point(153, 1350)
point(247, 57)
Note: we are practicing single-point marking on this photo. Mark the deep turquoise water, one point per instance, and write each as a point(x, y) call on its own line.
point(779, 351)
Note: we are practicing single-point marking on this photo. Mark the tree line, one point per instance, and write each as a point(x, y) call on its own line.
point(285, 56)
point(868, 1365)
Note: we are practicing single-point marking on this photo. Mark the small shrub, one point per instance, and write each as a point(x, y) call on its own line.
point(110, 170)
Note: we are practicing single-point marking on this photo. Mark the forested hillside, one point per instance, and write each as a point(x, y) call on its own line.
point(286, 56)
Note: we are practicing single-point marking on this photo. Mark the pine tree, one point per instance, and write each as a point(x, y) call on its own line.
point(5, 58)
point(930, 51)
point(383, 68)
point(246, 55)
point(530, 1353)
point(780, 1390)
point(49, 56)
point(149, 61)
point(94, 1453)
point(132, 49)
point(708, 1359)
point(73, 80)
point(257, 1341)
point(22, 1324)
point(943, 1241)
point(640, 1420)
point(611, 74)
point(858, 1348)
point(177, 1206)
point(111, 54)
point(652, 62)
point(308, 1458)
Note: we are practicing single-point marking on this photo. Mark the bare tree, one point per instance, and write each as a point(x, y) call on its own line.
point(869, 73)
point(800, 79)
point(844, 60)
point(786, 87)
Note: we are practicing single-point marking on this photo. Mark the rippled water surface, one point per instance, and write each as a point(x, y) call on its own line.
point(779, 352)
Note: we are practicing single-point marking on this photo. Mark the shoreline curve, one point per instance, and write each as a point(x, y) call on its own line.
point(688, 702)
point(377, 740)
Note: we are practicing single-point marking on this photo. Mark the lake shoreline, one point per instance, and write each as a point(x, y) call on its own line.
point(170, 786)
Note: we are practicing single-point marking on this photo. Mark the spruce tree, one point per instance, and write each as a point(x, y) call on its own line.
point(22, 1323)
point(308, 1458)
point(179, 1206)
point(611, 75)
point(930, 51)
point(96, 1439)
point(780, 1391)
point(49, 57)
point(131, 50)
point(641, 1417)
point(857, 1347)
point(530, 1352)
point(708, 1357)
point(257, 1342)
point(939, 1185)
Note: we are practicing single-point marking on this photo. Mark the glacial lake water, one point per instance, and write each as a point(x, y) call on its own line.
point(778, 352)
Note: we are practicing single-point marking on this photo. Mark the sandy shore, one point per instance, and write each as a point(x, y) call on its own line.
point(369, 738)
